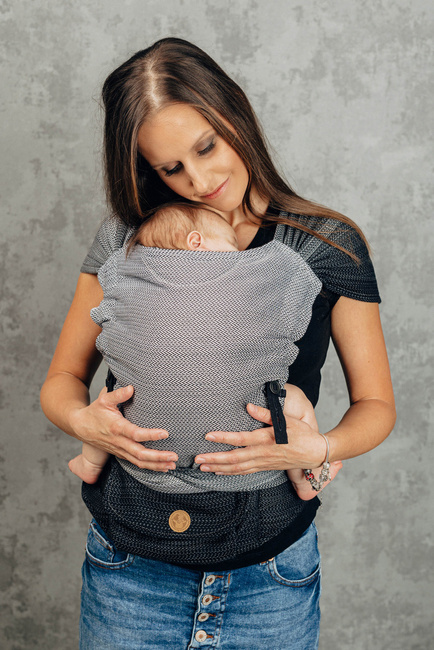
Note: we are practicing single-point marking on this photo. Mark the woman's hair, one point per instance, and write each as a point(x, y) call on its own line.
point(175, 71)
point(168, 225)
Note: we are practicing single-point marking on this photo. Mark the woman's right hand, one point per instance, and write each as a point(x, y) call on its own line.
point(102, 425)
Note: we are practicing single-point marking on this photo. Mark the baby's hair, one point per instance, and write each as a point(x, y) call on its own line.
point(168, 225)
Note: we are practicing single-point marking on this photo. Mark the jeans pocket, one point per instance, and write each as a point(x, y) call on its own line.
point(298, 565)
point(100, 550)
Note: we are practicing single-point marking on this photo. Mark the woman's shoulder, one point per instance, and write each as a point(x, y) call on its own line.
point(333, 229)
point(111, 236)
point(350, 275)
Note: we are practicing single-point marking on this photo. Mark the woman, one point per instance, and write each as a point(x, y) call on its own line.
point(177, 126)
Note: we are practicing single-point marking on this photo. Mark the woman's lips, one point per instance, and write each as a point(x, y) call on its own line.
point(216, 192)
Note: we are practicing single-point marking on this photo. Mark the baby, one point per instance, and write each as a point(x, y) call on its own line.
point(198, 228)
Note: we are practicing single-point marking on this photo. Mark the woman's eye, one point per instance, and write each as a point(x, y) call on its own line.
point(207, 149)
point(174, 170)
point(202, 152)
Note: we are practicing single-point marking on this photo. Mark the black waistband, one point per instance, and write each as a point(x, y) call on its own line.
point(226, 529)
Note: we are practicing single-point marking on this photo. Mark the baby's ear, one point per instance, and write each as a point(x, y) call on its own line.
point(194, 240)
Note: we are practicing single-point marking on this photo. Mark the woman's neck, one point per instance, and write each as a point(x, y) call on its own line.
point(239, 217)
point(245, 233)
point(245, 223)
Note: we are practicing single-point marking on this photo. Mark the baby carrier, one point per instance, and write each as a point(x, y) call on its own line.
point(199, 334)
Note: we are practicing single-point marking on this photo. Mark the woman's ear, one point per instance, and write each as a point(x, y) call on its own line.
point(194, 240)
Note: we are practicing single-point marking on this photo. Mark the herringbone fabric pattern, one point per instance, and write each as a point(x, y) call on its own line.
point(198, 334)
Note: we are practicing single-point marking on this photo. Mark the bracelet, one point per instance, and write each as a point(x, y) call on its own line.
point(325, 471)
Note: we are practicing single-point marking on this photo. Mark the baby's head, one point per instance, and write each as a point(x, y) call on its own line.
point(186, 226)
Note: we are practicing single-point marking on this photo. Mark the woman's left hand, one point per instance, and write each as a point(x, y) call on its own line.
point(258, 450)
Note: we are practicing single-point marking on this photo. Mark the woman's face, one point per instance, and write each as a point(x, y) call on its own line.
point(192, 159)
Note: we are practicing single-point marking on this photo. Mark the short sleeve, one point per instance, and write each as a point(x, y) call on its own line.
point(338, 272)
point(108, 278)
point(111, 236)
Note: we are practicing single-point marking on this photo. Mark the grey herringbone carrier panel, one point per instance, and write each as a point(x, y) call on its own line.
point(198, 333)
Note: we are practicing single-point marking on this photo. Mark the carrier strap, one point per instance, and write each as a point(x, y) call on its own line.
point(273, 392)
point(110, 381)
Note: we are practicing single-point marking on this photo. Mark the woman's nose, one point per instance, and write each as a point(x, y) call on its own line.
point(200, 180)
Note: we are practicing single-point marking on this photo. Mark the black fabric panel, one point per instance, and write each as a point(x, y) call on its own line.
point(336, 269)
point(223, 525)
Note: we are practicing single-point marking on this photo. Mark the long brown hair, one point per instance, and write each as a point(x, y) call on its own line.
point(172, 71)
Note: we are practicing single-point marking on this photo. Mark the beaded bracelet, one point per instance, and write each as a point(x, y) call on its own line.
point(325, 471)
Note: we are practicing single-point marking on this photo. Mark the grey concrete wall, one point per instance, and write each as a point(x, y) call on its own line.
point(343, 90)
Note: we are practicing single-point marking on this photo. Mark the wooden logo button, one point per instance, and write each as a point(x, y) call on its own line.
point(179, 521)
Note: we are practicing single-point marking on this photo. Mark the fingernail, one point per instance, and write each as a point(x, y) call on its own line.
point(200, 459)
point(162, 435)
point(210, 436)
point(205, 468)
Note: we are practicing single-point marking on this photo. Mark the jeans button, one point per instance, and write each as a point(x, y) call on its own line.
point(203, 617)
point(209, 580)
point(206, 600)
point(200, 635)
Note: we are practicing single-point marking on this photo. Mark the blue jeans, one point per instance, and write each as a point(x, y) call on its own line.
point(131, 603)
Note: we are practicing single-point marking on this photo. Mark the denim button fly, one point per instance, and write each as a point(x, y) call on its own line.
point(259, 607)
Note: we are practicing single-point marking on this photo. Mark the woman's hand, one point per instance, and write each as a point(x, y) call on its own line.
point(258, 450)
point(303, 487)
point(102, 425)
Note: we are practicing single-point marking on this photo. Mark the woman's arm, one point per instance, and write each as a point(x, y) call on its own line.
point(359, 341)
point(65, 393)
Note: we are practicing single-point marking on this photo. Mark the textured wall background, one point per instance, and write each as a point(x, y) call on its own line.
point(344, 93)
